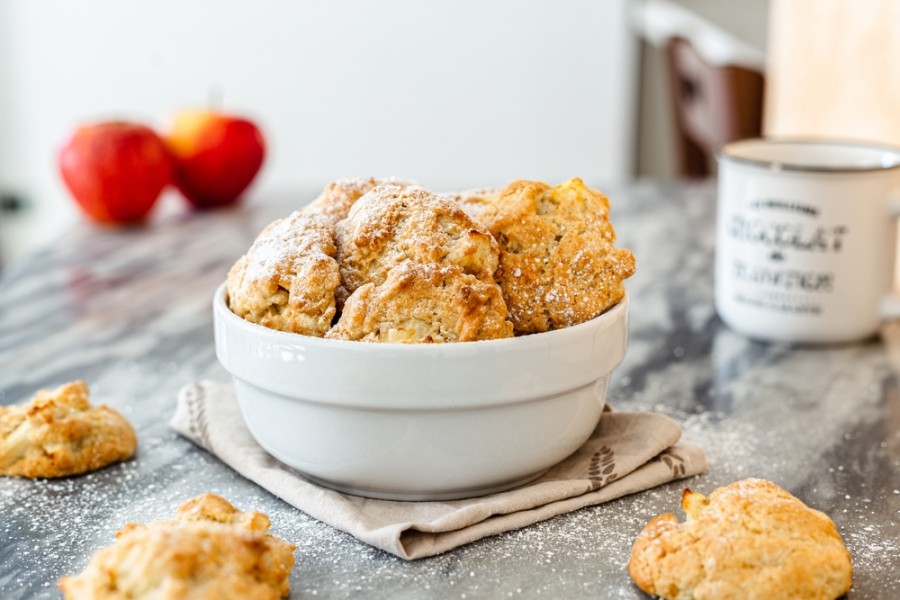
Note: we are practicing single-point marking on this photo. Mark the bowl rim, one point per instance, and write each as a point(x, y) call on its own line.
point(221, 311)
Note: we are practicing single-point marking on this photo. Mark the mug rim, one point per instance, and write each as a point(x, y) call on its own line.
point(779, 165)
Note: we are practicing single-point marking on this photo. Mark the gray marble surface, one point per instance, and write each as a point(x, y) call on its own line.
point(129, 312)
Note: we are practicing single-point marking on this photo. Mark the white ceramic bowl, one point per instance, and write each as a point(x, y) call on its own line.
point(421, 422)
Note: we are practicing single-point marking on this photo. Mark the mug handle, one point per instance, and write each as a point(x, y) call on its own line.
point(890, 306)
point(894, 205)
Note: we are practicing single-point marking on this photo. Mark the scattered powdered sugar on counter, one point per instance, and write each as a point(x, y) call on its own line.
point(561, 557)
point(51, 527)
point(63, 519)
point(815, 433)
point(870, 544)
point(579, 555)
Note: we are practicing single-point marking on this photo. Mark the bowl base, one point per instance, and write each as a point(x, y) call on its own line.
point(408, 496)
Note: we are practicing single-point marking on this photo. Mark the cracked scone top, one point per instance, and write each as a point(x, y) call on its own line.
point(558, 262)
point(423, 304)
point(393, 224)
point(473, 202)
point(340, 195)
point(58, 433)
point(288, 277)
point(209, 550)
point(751, 540)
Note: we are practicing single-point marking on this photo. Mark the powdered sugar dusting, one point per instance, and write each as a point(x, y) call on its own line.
point(338, 197)
point(391, 224)
point(473, 202)
point(286, 243)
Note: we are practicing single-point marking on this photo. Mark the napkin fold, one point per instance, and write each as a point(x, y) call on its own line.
point(627, 453)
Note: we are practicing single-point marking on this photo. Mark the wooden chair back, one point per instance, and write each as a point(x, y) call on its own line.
point(713, 105)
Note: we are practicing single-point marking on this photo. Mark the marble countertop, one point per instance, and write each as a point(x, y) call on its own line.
point(129, 312)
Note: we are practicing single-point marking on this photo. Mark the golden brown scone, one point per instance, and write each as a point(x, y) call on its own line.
point(59, 433)
point(748, 540)
point(424, 303)
point(474, 201)
point(558, 263)
point(339, 196)
point(393, 224)
point(288, 277)
point(209, 550)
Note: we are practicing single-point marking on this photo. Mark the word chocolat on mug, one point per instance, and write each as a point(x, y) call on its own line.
point(805, 240)
point(778, 238)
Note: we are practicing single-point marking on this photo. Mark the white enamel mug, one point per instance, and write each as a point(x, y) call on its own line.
point(805, 238)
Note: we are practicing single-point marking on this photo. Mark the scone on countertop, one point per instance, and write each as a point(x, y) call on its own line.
point(340, 195)
point(559, 265)
point(393, 224)
point(424, 303)
point(209, 550)
point(288, 277)
point(750, 540)
point(59, 433)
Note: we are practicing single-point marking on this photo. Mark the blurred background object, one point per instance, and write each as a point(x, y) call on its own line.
point(453, 95)
point(713, 106)
point(459, 94)
point(701, 81)
point(834, 70)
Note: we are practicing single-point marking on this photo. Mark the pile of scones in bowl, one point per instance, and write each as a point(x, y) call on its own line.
point(530, 272)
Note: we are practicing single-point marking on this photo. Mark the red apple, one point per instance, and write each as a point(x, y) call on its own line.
point(115, 170)
point(216, 156)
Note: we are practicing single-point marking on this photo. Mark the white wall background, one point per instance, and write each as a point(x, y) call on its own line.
point(453, 94)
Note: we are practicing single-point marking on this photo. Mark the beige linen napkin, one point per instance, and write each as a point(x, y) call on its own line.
point(627, 453)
